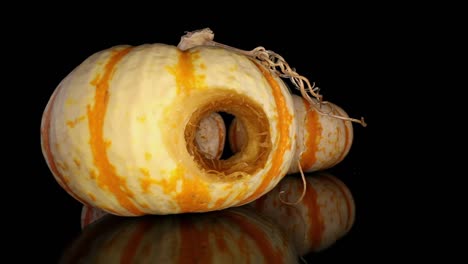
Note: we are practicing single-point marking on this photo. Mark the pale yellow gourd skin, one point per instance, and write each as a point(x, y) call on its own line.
point(113, 131)
point(322, 141)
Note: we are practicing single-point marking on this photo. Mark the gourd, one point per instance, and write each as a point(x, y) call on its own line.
point(125, 131)
point(119, 131)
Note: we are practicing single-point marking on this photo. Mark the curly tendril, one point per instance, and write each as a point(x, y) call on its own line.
point(276, 64)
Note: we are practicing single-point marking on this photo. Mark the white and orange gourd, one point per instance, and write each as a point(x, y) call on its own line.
point(137, 130)
point(120, 131)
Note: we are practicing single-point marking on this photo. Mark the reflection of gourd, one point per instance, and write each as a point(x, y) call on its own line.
point(120, 131)
point(322, 141)
point(325, 214)
point(235, 235)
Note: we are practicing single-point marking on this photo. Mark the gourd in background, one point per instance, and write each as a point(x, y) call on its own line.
point(322, 141)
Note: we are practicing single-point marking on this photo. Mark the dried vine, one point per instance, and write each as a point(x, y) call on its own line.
point(276, 64)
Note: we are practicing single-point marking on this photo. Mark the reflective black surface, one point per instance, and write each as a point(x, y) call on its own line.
point(235, 235)
point(327, 224)
point(336, 58)
point(256, 231)
point(266, 230)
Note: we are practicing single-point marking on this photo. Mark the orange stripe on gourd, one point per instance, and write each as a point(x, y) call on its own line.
point(312, 137)
point(107, 175)
point(184, 72)
point(194, 194)
point(285, 118)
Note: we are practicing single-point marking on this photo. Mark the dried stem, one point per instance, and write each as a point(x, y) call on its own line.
point(275, 63)
point(304, 188)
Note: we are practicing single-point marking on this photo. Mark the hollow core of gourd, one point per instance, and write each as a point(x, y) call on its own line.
point(254, 153)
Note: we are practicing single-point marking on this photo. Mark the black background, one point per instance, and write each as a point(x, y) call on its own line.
point(348, 52)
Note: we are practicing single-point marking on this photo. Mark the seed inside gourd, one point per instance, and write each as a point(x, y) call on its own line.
point(210, 136)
